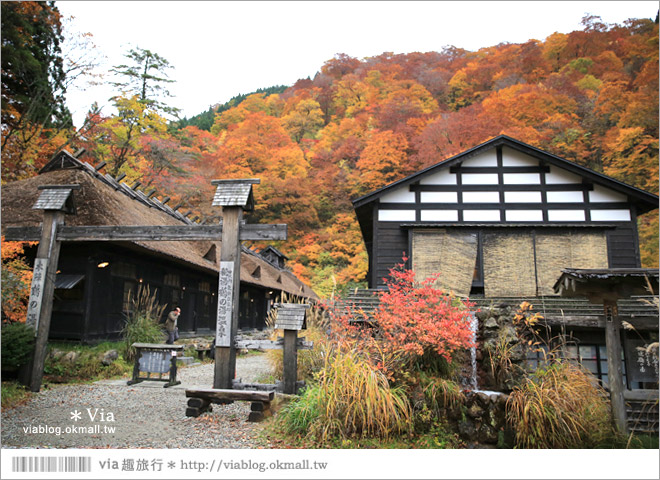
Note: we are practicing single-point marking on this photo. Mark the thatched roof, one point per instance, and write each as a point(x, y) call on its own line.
point(102, 200)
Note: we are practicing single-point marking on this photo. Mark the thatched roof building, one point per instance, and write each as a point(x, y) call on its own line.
point(102, 200)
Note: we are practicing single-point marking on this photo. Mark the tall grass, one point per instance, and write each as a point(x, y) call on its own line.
point(350, 399)
point(142, 321)
point(441, 393)
point(560, 406)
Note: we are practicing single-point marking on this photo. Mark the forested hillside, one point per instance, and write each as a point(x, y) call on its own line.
point(590, 96)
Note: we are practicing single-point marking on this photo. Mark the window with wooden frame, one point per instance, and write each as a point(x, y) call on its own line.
point(172, 280)
point(593, 357)
point(123, 269)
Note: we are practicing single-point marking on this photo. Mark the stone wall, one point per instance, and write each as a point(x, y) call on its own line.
point(501, 355)
point(483, 420)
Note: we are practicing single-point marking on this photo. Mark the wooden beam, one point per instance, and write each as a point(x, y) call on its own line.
point(131, 233)
point(290, 359)
point(271, 344)
point(615, 374)
point(598, 321)
point(225, 352)
point(49, 248)
point(227, 394)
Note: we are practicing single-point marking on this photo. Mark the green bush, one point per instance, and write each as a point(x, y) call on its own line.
point(17, 345)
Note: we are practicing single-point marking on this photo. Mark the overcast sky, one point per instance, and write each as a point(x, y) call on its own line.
point(221, 49)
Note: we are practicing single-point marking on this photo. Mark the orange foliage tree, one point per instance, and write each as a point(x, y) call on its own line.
point(16, 280)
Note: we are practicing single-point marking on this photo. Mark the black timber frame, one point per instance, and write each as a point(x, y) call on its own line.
point(387, 241)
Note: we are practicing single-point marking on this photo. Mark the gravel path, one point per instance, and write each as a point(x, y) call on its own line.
point(145, 415)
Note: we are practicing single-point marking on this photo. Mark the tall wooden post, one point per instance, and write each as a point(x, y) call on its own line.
point(230, 271)
point(615, 375)
point(233, 196)
point(290, 359)
point(291, 319)
point(55, 200)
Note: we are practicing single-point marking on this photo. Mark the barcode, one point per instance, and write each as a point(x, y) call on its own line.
point(51, 464)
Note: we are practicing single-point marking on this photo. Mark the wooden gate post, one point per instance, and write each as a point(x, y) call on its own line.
point(615, 375)
point(290, 358)
point(291, 319)
point(233, 196)
point(55, 200)
point(229, 283)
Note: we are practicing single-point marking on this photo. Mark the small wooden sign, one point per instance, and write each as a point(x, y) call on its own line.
point(642, 364)
point(36, 292)
point(155, 361)
point(225, 300)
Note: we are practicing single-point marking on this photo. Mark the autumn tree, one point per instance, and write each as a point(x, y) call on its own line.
point(304, 119)
point(16, 279)
point(145, 77)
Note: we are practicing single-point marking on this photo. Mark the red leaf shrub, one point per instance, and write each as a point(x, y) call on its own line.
point(415, 318)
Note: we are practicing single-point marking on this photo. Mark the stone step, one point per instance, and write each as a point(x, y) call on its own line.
point(186, 360)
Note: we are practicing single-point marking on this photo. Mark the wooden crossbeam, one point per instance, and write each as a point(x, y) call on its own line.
point(278, 344)
point(227, 394)
point(146, 233)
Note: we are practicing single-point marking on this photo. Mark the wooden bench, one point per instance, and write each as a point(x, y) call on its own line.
point(156, 358)
point(203, 352)
point(199, 401)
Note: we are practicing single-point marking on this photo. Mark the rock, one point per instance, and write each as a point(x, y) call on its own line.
point(109, 357)
point(491, 322)
point(508, 334)
point(487, 434)
point(56, 354)
point(467, 430)
point(71, 357)
point(490, 344)
point(482, 315)
point(518, 353)
point(483, 398)
point(475, 411)
point(501, 400)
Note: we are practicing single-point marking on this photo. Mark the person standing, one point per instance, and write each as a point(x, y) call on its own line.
point(171, 326)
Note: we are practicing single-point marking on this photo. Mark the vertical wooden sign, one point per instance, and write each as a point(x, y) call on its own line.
point(225, 301)
point(36, 292)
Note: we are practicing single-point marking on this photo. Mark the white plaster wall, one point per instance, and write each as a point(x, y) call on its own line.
point(617, 215)
point(514, 158)
point(438, 197)
point(442, 177)
point(479, 178)
point(485, 159)
point(565, 197)
point(524, 215)
point(400, 195)
point(481, 197)
point(559, 176)
point(481, 215)
point(603, 195)
point(522, 179)
point(439, 215)
point(522, 197)
point(396, 215)
point(566, 215)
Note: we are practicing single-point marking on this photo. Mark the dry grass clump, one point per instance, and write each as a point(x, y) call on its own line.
point(560, 406)
point(142, 321)
point(349, 399)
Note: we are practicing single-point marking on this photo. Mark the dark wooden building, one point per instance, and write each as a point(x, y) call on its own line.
point(502, 219)
point(499, 223)
point(94, 278)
